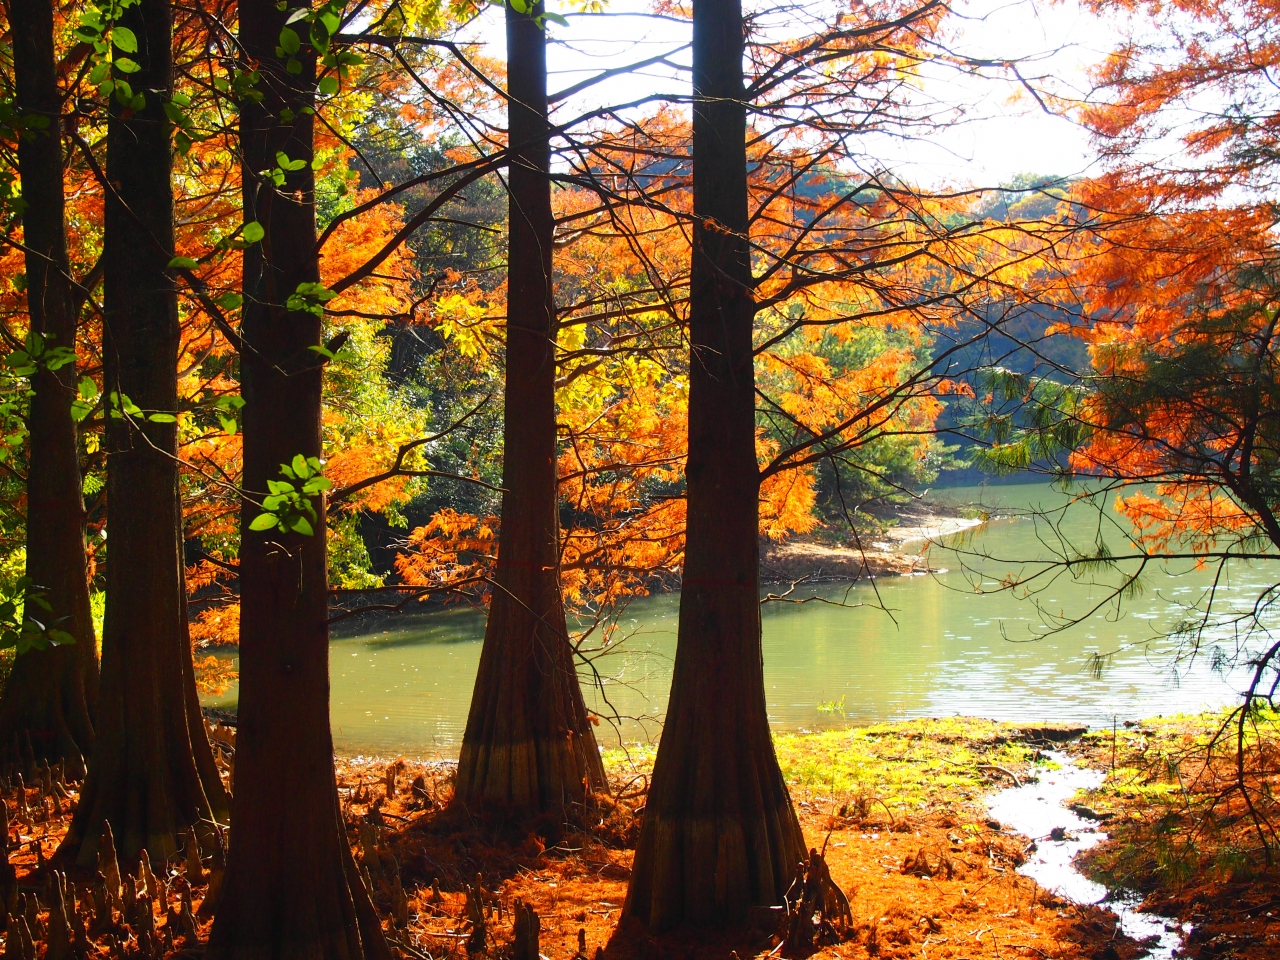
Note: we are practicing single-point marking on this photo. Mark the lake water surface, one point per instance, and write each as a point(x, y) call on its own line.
point(926, 645)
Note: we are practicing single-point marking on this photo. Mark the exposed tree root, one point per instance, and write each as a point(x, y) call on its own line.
point(818, 910)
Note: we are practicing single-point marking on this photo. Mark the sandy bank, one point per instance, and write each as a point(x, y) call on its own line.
point(893, 552)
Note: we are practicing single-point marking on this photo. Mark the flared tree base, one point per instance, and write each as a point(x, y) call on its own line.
point(44, 714)
point(533, 776)
point(711, 872)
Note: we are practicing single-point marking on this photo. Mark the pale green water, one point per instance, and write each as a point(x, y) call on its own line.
point(406, 688)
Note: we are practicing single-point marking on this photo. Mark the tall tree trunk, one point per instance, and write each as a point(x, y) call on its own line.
point(528, 743)
point(291, 889)
point(143, 777)
point(52, 693)
point(719, 832)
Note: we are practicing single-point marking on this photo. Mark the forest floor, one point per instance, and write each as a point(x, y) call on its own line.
point(898, 808)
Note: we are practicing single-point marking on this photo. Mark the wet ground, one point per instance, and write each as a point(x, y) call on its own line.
point(1039, 809)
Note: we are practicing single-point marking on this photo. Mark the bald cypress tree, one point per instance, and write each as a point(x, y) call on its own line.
point(52, 692)
point(719, 833)
point(528, 742)
point(152, 775)
point(292, 888)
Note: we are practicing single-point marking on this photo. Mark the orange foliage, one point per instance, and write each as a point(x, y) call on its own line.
point(453, 550)
point(214, 675)
point(1178, 271)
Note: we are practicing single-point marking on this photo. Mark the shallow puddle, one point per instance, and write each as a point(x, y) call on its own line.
point(1038, 809)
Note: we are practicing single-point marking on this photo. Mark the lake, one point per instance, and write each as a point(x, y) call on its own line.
point(947, 642)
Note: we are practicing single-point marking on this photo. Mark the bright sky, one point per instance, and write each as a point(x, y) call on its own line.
point(1004, 131)
point(1007, 132)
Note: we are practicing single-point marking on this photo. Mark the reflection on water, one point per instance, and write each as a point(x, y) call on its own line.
point(925, 645)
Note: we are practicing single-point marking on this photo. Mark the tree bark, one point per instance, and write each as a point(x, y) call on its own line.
point(528, 744)
point(144, 777)
point(52, 693)
point(291, 887)
point(719, 832)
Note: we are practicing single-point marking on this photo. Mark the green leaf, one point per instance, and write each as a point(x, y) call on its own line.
point(229, 300)
point(264, 521)
point(162, 418)
point(229, 425)
point(290, 43)
point(58, 357)
point(87, 388)
point(300, 525)
point(125, 65)
point(124, 39)
point(285, 163)
point(327, 86)
point(183, 263)
point(299, 14)
point(300, 467)
point(253, 231)
point(555, 18)
point(319, 36)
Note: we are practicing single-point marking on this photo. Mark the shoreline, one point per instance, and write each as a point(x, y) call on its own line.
point(814, 561)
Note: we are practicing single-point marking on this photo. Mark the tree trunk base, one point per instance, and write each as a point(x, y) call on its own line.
point(533, 776)
point(309, 917)
point(44, 713)
point(706, 871)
